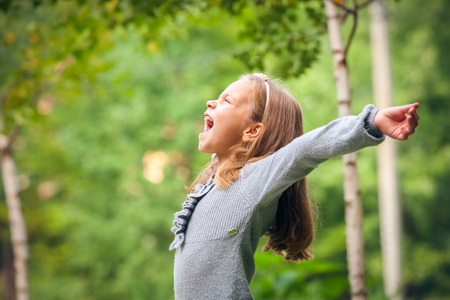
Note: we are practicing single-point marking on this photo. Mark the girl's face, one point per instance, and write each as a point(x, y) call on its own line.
point(226, 120)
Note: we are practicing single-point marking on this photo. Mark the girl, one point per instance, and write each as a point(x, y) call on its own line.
point(255, 183)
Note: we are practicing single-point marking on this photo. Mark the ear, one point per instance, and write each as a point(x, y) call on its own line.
point(252, 132)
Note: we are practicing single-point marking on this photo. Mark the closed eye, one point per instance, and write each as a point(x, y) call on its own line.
point(225, 98)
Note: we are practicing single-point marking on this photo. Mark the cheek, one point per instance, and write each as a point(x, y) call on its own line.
point(231, 131)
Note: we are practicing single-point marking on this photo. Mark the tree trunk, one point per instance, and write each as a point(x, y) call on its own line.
point(7, 273)
point(17, 223)
point(353, 208)
point(389, 203)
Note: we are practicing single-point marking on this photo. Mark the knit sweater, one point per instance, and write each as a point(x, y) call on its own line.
point(217, 232)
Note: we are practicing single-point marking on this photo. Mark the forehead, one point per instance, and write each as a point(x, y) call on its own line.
point(239, 90)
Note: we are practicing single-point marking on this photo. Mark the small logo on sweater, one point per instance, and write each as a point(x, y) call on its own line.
point(232, 231)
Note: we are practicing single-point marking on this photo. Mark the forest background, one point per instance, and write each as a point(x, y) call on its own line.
point(110, 98)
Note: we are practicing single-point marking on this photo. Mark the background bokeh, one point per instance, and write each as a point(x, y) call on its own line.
point(110, 97)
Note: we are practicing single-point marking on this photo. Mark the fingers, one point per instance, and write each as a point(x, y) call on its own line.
point(406, 109)
point(399, 113)
point(412, 121)
point(414, 116)
point(411, 128)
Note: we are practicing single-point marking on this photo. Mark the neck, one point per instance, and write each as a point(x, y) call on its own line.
point(222, 158)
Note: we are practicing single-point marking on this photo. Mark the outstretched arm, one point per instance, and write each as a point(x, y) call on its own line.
point(398, 122)
point(270, 176)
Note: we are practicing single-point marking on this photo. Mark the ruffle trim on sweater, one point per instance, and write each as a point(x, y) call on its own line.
point(182, 217)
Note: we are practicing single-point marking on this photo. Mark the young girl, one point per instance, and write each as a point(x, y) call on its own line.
point(255, 183)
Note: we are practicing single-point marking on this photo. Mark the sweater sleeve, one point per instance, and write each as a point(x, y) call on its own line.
point(266, 179)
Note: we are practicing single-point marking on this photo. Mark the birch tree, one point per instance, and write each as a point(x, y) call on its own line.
point(353, 207)
point(389, 203)
point(16, 219)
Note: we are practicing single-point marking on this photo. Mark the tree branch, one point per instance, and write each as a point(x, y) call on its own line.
point(343, 17)
point(14, 134)
point(345, 8)
point(354, 12)
point(352, 33)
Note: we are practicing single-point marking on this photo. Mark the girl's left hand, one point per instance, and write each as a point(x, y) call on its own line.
point(398, 122)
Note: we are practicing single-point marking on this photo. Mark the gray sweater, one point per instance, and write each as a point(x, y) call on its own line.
point(217, 232)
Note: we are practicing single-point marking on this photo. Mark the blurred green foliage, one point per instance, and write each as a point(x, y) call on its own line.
point(110, 94)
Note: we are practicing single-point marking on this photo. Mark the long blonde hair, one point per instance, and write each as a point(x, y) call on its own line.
point(292, 231)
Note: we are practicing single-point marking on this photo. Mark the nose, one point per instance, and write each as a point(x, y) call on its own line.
point(211, 104)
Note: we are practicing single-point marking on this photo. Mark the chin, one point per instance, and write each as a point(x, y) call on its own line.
point(202, 149)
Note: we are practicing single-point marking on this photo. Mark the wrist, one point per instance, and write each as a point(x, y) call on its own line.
point(371, 123)
point(376, 119)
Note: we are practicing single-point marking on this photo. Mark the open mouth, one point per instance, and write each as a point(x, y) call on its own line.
point(209, 123)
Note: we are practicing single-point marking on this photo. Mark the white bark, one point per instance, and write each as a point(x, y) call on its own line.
point(353, 208)
point(17, 223)
point(389, 203)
